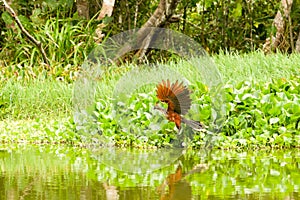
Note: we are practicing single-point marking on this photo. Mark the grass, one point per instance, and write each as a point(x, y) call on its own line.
point(66, 43)
point(256, 66)
point(51, 98)
point(36, 99)
point(40, 110)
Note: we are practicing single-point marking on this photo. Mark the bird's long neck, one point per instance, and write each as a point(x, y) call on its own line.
point(170, 115)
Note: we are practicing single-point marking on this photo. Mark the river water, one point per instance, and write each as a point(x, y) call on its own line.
point(62, 172)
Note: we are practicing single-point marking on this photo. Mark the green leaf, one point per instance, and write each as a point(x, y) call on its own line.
point(237, 12)
point(7, 18)
point(274, 120)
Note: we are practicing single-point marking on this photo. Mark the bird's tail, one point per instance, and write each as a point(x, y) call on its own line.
point(193, 124)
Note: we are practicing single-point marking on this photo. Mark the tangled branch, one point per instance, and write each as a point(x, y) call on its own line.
point(37, 43)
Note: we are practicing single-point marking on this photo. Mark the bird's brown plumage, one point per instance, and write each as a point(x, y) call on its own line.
point(177, 96)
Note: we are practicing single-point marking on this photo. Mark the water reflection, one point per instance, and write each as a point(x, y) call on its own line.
point(136, 160)
point(59, 172)
point(175, 187)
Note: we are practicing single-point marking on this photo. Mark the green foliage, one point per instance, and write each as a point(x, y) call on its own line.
point(39, 131)
point(232, 25)
point(258, 114)
point(66, 41)
point(235, 25)
point(135, 123)
point(264, 114)
point(262, 102)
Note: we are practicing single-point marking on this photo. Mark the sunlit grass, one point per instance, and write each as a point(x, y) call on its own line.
point(256, 66)
point(37, 98)
point(52, 98)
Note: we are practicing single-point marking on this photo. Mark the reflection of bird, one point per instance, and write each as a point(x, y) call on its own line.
point(175, 185)
point(177, 96)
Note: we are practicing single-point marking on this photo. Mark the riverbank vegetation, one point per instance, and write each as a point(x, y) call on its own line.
point(262, 107)
point(261, 91)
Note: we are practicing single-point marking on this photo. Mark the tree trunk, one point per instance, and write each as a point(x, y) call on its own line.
point(107, 9)
point(272, 43)
point(162, 14)
point(298, 44)
point(159, 18)
point(83, 8)
point(87, 8)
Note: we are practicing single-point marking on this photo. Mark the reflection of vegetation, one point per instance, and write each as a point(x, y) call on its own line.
point(245, 173)
point(137, 160)
point(40, 172)
point(64, 172)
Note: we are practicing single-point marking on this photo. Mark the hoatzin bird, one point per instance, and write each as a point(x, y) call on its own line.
point(177, 96)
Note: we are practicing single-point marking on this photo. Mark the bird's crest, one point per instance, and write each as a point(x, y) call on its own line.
point(176, 95)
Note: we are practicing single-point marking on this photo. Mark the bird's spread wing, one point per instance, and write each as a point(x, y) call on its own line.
point(176, 95)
